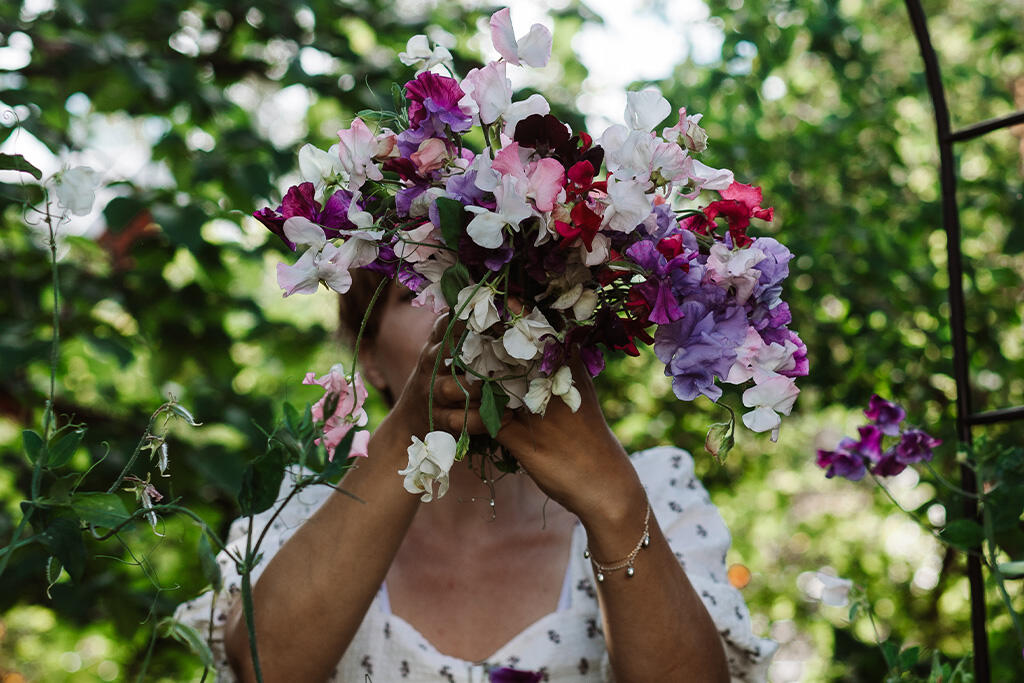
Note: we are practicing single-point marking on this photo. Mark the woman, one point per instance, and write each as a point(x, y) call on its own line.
point(378, 584)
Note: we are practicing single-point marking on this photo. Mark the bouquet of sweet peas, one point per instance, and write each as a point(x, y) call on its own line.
point(551, 245)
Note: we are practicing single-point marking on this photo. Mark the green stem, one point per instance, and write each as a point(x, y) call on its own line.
point(138, 449)
point(15, 544)
point(48, 416)
point(948, 484)
point(994, 567)
point(149, 653)
point(247, 604)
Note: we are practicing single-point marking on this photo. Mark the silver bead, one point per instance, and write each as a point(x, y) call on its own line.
point(600, 577)
point(647, 541)
point(630, 571)
point(586, 554)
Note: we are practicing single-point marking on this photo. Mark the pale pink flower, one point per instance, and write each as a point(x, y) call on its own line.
point(688, 132)
point(734, 268)
point(347, 398)
point(772, 394)
point(429, 156)
point(489, 90)
point(356, 151)
point(534, 48)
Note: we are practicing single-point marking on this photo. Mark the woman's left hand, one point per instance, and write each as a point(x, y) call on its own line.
point(573, 456)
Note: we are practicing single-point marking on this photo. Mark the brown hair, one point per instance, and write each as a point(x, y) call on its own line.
point(352, 306)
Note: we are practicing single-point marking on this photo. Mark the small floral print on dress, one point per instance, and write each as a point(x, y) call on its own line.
point(367, 665)
point(675, 507)
point(584, 666)
point(554, 637)
point(592, 627)
point(446, 673)
point(677, 461)
point(587, 587)
point(709, 597)
point(404, 669)
point(387, 629)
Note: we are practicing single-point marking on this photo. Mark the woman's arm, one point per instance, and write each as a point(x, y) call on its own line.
point(655, 625)
point(313, 595)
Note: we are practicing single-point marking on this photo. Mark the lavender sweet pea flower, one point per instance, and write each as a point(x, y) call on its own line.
point(699, 347)
point(885, 414)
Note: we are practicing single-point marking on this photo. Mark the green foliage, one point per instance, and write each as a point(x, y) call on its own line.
point(175, 295)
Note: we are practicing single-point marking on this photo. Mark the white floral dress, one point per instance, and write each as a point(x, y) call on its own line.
point(565, 645)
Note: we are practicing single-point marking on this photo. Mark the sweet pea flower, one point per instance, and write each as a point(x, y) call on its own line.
point(346, 398)
point(688, 133)
point(835, 591)
point(628, 205)
point(703, 177)
point(429, 461)
point(534, 48)
point(543, 388)
point(322, 261)
point(321, 168)
point(486, 355)
point(418, 53)
point(476, 304)
point(524, 338)
point(734, 268)
point(76, 189)
point(517, 111)
point(754, 356)
point(412, 244)
point(356, 153)
point(645, 109)
point(543, 179)
point(429, 156)
point(772, 395)
point(488, 92)
point(885, 414)
point(487, 227)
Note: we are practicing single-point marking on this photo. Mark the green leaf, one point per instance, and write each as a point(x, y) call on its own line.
point(291, 418)
point(53, 569)
point(188, 636)
point(64, 447)
point(1011, 569)
point(261, 482)
point(890, 651)
point(63, 538)
point(492, 404)
point(452, 216)
point(16, 162)
point(182, 412)
point(963, 533)
point(453, 281)
point(32, 443)
point(105, 510)
point(909, 657)
point(208, 563)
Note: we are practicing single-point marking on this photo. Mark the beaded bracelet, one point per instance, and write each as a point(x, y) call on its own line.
point(627, 563)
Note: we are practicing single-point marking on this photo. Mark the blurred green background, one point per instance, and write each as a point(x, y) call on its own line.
point(194, 111)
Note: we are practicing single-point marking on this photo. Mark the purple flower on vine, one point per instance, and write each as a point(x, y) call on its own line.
point(885, 414)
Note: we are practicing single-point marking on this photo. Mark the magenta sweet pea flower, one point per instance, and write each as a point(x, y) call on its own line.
point(916, 446)
point(885, 414)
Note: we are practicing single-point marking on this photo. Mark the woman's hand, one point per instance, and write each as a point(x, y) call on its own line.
point(573, 456)
point(456, 401)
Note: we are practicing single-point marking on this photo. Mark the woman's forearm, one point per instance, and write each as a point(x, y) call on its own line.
point(656, 627)
point(313, 595)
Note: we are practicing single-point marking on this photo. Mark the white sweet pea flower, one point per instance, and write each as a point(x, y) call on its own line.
point(629, 205)
point(772, 394)
point(476, 304)
point(486, 227)
point(76, 189)
point(543, 388)
point(489, 90)
point(646, 109)
point(429, 461)
point(412, 244)
point(734, 268)
point(321, 168)
point(322, 260)
point(534, 48)
point(486, 355)
point(835, 591)
point(704, 177)
point(523, 340)
point(418, 53)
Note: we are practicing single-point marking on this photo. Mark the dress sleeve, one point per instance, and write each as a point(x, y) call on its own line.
point(700, 540)
point(208, 613)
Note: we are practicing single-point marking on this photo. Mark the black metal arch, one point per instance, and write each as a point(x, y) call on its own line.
point(966, 418)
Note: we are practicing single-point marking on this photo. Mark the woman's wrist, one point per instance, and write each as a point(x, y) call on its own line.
point(614, 524)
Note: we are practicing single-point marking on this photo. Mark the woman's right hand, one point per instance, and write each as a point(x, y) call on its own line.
point(456, 401)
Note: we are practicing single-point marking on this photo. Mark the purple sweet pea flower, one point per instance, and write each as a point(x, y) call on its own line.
point(300, 201)
point(915, 446)
point(801, 366)
point(841, 462)
point(435, 99)
point(509, 675)
point(889, 465)
point(885, 414)
point(851, 457)
point(699, 347)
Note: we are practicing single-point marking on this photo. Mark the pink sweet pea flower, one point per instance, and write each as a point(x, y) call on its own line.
point(534, 48)
point(356, 151)
point(489, 89)
point(346, 400)
point(430, 156)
